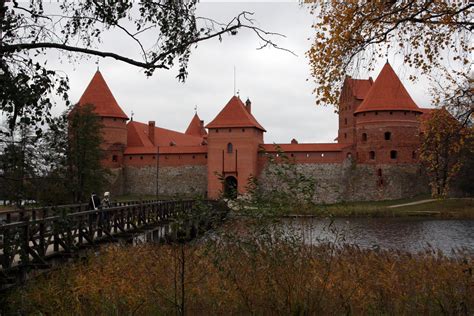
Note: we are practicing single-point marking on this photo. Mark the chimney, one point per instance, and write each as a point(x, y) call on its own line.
point(294, 141)
point(151, 131)
point(248, 106)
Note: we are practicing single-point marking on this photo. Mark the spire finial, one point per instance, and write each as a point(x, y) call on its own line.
point(131, 116)
point(195, 109)
point(97, 63)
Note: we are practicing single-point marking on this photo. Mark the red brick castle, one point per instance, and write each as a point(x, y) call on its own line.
point(375, 156)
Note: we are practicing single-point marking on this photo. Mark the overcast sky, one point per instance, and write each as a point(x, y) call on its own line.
point(278, 83)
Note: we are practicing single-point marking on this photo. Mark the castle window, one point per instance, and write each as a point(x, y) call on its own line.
point(393, 154)
point(292, 155)
point(413, 154)
point(243, 130)
point(154, 157)
point(379, 172)
point(230, 130)
point(114, 158)
point(307, 155)
point(388, 135)
point(115, 119)
point(376, 113)
point(364, 137)
point(141, 157)
point(322, 155)
point(217, 130)
point(349, 155)
point(345, 135)
point(130, 158)
point(205, 156)
point(372, 155)
point(230, 148)
point(391, 113)
point(345, 121)
point(405, 112)
point(194, 156)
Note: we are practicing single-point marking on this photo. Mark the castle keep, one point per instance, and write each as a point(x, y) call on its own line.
point(375, 156)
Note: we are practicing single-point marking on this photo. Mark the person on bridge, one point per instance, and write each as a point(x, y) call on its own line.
point(94, 202)
point(106, 199)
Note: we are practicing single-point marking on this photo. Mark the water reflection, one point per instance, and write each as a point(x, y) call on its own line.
point(408, 234)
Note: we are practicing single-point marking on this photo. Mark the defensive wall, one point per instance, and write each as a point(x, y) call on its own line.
point(337, 178)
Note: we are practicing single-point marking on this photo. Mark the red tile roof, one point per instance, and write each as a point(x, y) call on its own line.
point(387, 94)
point(196, 128)
point(360, 87)
point(99, 94)
point(234, 114)
point(166, 150)
point(138, 136)
point(304, 147)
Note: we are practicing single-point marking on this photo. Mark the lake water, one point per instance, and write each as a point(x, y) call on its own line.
point(407, 234)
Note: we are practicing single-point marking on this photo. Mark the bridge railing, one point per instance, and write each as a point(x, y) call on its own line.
point(31, 242)
point(47, 211)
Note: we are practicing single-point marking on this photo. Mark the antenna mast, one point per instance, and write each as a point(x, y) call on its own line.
point(234, 80)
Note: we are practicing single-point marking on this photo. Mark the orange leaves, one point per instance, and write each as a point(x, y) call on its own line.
point(444, 139)
point(355, 33)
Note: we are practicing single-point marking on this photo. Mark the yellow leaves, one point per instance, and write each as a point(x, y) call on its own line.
point(355, 33)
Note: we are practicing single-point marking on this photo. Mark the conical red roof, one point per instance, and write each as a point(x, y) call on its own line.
point(99, 94)
point(196, 127)
point(234, 114)
point(387, 94)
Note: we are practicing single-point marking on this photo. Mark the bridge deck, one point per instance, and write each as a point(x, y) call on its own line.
point(29, 239)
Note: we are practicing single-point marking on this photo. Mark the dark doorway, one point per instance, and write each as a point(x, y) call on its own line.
point(230, 187)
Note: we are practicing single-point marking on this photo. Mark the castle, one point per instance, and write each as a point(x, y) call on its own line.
point(375, 157)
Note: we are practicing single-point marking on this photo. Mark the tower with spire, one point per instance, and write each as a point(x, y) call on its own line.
point(233, 142)
point(113, 119)
point(387, 122)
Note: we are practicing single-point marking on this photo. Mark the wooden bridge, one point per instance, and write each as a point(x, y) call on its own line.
point(33, 239)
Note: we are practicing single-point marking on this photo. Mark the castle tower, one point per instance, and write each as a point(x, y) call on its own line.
point(114, 120)
point(233, 142)
point(352, 94)
point(387, 122)
point(196, 127)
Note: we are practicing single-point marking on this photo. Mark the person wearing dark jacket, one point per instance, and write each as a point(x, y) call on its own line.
point(94, 202)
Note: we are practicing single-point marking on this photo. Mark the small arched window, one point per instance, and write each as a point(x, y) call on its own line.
point(364, 137)
point(388, 135)
point(114, 158)
point(393, 154)
point(413, 154)
point(372, 155)
point(230, 148)
point(345, 121)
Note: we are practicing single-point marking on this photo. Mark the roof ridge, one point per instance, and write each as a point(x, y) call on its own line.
point(99, 94)
point(387, 93)
point(234, 114)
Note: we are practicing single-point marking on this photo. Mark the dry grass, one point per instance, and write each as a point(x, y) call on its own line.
point(261, 277)
point(450, 208)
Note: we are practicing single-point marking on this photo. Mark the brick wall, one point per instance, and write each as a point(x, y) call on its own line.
point(183, 180)
point(363, 182)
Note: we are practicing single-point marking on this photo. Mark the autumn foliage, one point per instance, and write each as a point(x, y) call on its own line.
point(252, 276)
point(444, 147)
point(352, 35)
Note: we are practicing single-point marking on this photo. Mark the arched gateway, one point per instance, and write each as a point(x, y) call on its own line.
point(230, 187)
